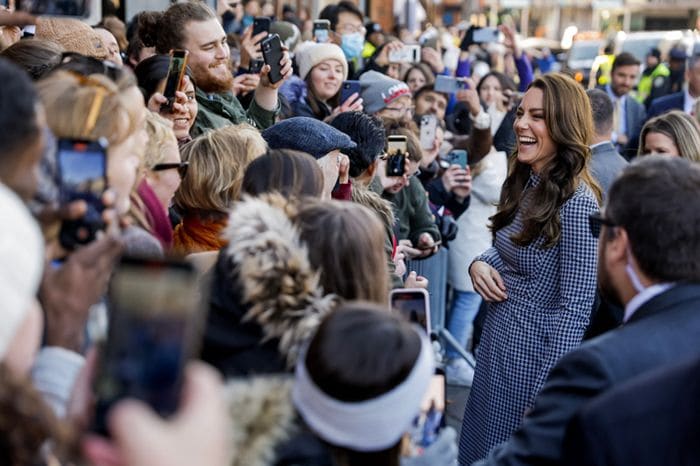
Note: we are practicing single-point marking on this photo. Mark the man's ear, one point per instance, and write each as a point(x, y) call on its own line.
point(616, 245)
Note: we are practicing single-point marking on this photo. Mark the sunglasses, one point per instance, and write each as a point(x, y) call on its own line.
point(596, 222)
point(181, 167)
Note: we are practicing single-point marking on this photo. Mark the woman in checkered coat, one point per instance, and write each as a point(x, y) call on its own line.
point(540, 274)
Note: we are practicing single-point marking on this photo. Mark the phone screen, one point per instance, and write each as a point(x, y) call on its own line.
point(82, 169)
point(396, 146)
point(412, 305)
point(176, 68)
point(153, 331)
point(482, 35)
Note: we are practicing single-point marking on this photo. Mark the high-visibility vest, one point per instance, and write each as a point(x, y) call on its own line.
point(654, 79)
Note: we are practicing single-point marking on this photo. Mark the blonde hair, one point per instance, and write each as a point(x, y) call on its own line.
point(218, 160)
point(88, 107)
point(160, 135)
point(680, 127)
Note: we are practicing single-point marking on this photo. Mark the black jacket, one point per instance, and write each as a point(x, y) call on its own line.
point(664, 330)
point(652, 420)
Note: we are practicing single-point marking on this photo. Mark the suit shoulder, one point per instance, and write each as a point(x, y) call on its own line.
point(666, 102)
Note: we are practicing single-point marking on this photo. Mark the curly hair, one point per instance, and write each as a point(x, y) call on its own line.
point(569, 121)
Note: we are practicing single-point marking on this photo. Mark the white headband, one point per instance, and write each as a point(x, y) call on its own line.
point(369, 425)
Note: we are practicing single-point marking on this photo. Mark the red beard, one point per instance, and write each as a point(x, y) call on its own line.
point(211, 83)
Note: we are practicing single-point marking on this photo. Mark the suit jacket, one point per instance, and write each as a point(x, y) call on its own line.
point(606, 164)
point(635, 117)
point(651, 420)
point(668, 102)
point(664, 330)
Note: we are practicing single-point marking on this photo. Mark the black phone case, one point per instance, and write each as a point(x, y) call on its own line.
point(272, 54)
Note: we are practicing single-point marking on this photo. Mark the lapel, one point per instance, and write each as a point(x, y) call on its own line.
point(674, 297)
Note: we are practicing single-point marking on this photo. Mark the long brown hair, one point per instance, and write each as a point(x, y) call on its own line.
point(346, 245)
point(569, 120)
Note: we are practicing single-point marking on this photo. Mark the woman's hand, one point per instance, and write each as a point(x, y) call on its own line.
point(415, 281)
point(382, 58)
point(245, 83)
point(432, 57)
point(457, 180)
point(351, 104)
point(487, 282)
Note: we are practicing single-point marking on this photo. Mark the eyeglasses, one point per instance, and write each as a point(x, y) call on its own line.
point(181, 167)
point(596, 222)
point(350, 29)
point(402, 110)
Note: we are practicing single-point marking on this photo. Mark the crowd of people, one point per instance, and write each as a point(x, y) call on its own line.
point(559, 224)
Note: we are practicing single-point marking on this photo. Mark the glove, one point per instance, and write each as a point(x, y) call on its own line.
point(443, 452)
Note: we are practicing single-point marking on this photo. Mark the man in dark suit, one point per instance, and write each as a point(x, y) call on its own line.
point(651, 420)
point(628, 114)
point(648, 263)
point(684, 100)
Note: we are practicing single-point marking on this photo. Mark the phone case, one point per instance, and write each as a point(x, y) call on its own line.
point(261, 24)
point(349, 88)
point(272, 54)
point(176, 73)
point(428, 126)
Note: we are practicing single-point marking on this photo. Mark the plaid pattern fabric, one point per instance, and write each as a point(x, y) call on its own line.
point(550, 296)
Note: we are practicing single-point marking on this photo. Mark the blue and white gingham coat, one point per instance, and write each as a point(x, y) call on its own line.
point(550, 296)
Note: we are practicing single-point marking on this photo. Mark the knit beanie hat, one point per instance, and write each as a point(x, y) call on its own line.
point(21, 264)
point(72, 35)
point(379, 90)
point(310, 54)
point(307, 135)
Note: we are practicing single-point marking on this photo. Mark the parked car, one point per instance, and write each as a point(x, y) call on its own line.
point(580, 57)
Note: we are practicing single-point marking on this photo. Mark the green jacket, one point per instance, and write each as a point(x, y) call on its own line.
point(412, 212)
point(219, 110)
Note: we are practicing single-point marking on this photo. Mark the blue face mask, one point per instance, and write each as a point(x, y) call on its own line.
point(352, 45)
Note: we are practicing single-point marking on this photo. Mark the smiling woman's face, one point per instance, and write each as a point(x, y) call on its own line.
point(183, 121)
point(535, 145)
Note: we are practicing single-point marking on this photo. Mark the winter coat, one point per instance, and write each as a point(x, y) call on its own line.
point(266, 300)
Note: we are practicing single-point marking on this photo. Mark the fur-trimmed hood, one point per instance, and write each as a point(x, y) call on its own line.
point(265, 428)
point(262, 416)
point(265, 283)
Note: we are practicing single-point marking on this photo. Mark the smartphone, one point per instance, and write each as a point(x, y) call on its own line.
point(449, 84)
point(82, 172)
point(154, 329)
point(322, 29)
point(349, 88)
point(427, 425)
point(272, 54)
point(428, 127)
point(458, 157)
point(256, 65)
point(482, 35)
point(413, 304)
point(74, 8)
point(406, 54)
point(397, 146)
point(261, 24)
point(176, 73)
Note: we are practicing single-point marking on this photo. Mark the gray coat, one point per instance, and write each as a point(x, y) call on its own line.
point(606, 164)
